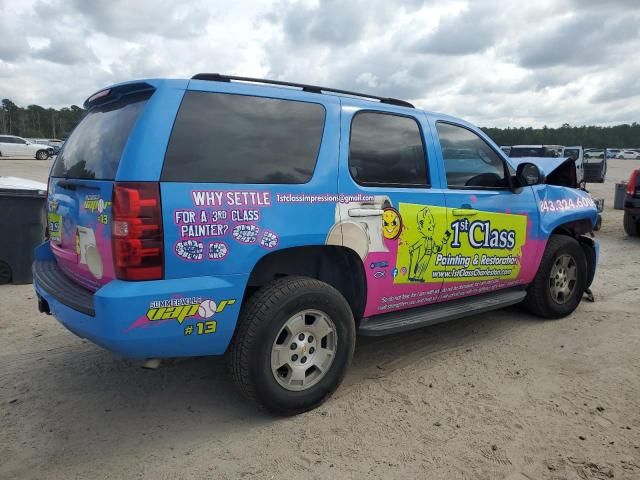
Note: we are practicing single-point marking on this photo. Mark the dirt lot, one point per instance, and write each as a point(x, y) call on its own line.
point(500, 395)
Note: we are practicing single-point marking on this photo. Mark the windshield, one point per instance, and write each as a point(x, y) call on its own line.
point(95, 146)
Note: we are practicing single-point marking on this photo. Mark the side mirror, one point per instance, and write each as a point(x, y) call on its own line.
point(528, 174)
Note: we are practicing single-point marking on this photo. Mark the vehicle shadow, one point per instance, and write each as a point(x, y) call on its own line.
point(81, 394)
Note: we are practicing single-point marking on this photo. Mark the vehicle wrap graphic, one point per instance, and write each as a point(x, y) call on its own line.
point(221, 215)
point(79, 223)
point(438, 254)
point(437, 245)
point(183, 309)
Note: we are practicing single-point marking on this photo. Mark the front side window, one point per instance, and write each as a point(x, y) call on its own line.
point(387, 150)
point(226, 138)
point(468, 160)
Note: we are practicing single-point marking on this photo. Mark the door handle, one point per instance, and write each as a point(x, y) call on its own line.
point(464, 212)
point(365, 212)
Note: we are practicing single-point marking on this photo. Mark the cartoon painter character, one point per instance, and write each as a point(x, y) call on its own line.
point(420, 252)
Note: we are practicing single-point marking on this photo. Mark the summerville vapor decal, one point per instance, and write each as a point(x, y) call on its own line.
point(437, 245)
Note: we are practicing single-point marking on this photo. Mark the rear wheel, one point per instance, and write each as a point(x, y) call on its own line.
point(561, 280)
point(294, 340)
point(631, 225)
point(42, 155)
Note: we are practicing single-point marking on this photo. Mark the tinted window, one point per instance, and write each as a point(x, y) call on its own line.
point(468, 160)
point(387, 150)
point(242, 139)
point(20, 141)
point(95, 146)
point(571, 152)
point(4, 140)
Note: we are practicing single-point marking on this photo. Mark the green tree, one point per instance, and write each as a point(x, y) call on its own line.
point(35, 121)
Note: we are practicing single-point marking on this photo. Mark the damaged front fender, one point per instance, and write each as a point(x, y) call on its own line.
point(555, 171)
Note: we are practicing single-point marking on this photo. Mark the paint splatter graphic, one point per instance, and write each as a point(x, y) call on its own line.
point(246, 233)
point(190, 249)
point(269, 240)
point(218, 251)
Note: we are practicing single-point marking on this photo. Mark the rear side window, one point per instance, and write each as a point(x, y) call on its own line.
point(228, 138)
point(95, 146)
point(387, 150)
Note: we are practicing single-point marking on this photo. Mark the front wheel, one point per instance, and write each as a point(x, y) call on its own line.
point(42, 155)
point(294, 340)
point(561, 280)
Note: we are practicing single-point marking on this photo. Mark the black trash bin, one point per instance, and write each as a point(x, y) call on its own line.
point(22, 226)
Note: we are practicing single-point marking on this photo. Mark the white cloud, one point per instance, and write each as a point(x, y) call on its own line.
point(493, 62)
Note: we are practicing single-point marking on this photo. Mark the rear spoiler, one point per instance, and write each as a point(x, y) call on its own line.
point(113, 94)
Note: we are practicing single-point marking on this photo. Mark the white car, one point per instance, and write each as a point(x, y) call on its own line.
point(628, 155)
point(17, 147)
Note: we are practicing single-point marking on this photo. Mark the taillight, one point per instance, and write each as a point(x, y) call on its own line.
point(632, 185)
point(136, 231)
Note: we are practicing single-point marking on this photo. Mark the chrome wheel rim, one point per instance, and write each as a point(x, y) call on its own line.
point(304, 350)
point(563, 278)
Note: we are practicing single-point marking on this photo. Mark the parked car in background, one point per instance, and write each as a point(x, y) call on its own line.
point(631, 220)
point(613, 152)
point(54, 143)
point(553, 151)
point(506, 149)
point(628, 155)
point(18, 147)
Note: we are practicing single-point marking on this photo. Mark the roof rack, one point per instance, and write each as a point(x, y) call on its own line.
point(216, 77)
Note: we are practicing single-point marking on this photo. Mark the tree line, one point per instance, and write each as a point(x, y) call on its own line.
point(622, 136)
point(35, 121)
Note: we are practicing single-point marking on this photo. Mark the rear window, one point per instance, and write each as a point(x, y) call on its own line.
point(95, 146)
point(228, 138)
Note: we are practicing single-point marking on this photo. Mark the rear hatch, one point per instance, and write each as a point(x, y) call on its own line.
point(82, 181)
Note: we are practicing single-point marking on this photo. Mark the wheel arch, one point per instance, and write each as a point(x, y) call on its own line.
point(340, 267)
point(579, 229)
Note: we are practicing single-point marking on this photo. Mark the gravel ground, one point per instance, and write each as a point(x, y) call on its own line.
point(499, 395)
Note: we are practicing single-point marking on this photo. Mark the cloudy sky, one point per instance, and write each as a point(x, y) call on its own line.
point(493, 62)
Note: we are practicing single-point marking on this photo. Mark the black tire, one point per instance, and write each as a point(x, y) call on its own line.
point(262, 318)
point(631, 225)
point(539, 298)
point(42, 155)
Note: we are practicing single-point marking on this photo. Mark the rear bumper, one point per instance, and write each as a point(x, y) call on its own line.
point(143, 319)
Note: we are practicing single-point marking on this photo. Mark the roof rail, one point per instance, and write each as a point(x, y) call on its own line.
point(216, 77)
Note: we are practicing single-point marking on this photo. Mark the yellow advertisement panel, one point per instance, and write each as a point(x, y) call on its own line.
point(455, 245)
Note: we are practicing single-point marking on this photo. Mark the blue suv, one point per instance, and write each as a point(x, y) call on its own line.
point(273, 221)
